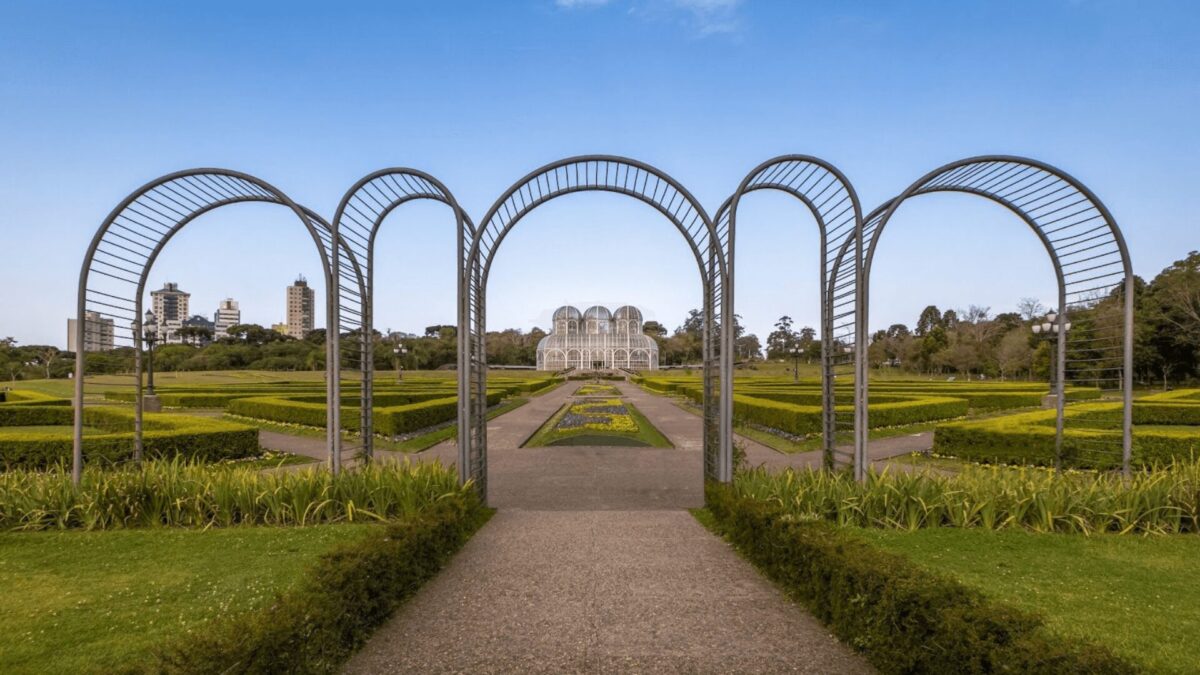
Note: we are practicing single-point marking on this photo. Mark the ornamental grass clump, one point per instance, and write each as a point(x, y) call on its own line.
point(1165, 500)
point(185, 494)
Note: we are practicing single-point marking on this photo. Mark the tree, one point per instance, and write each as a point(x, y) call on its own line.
point(654, 329)
point(45, 357)
point(931, 317)
point(782, 339)
point(932, 344)
point(1030, 308)
point(950, 319)
point(748, 347)
point(1013, 353)
point(1172, 308)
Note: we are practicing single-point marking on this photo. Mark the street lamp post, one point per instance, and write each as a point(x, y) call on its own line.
point(398, 352)
point(797, 352)
point(1049, 330)
point(150, 337)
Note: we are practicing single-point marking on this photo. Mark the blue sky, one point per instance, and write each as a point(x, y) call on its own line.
point(97, 99)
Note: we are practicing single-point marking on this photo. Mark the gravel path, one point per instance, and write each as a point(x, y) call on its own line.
point(593, 564)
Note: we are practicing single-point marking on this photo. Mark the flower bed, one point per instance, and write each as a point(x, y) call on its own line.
point(608, 421)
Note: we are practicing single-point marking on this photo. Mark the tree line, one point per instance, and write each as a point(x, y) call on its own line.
point(968, 343)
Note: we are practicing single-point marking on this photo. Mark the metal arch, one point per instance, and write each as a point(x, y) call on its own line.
point(125, 246)
point(1086, 247)
point(359, 216)
point(831, 199)
point(605, 173)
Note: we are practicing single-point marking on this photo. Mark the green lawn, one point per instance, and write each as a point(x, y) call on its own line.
point(93, 601)
point(1139, 595)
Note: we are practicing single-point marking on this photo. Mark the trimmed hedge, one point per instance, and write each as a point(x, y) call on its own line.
point(1028, 438)
point(902, 617)
point(351, 591)
point(1169, 408)
point(388, 420)
point(806, 419)
point(24, 397)
point(162, 436)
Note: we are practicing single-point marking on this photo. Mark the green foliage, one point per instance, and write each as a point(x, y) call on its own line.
point(904, 618)
point(104, 601)
point(1166, 500)
point(351, 591)
point(189, 494)
point(1089, 428)
point(1093, 588)
point(163, 436)
point(22, 397)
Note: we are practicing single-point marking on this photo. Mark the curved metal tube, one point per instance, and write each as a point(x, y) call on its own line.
point(619, 175)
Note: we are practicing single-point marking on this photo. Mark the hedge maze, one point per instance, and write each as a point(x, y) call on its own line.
point(795, 407)
point(399, 408)
point(1167, 429)
point(35, 433)
point(993, 422)
point(35, 428)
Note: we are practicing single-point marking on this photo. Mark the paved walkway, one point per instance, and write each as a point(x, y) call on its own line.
point(593, 564)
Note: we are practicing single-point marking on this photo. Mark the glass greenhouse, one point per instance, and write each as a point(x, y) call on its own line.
point(596, 340)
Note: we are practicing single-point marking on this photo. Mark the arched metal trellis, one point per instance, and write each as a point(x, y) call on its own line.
point(833, 203)
point(112, 279)
point(609, 174)
point(357, 222)
point(1091, 263)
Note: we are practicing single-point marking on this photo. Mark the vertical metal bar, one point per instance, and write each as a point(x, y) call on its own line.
point(367, 387)
point(828, 408)
point(80, 366)
point(464, 359)
point(862, 300)
point(728, 334)
point(333, 370)
point(1060, 377)
point(1127, 383)
point(139, 401)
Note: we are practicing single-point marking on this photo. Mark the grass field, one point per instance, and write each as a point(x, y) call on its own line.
point(1138, 595)
point(89, 602)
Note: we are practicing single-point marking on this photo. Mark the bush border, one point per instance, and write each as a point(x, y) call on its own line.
point(903, 618)
point(342, 599)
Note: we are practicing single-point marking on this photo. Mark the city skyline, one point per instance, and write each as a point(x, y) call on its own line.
point(1103, 91)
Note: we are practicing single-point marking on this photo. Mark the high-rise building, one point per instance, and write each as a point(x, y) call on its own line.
point(98, 335)
point(226, 316)
point(170, 306)
point(300, 302)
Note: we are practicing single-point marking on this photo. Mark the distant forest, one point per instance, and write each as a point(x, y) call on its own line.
point(969, 342)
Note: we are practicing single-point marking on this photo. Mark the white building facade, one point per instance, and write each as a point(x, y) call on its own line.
point(227, 316)
point(597, 339)
point(170, 306)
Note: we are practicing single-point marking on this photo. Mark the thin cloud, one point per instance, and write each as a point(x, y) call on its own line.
point(579, 4)
point(703, 17)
